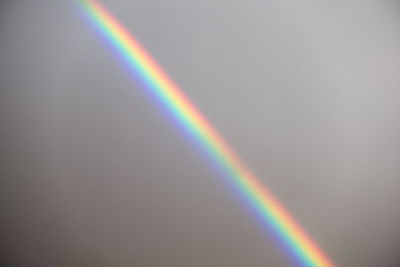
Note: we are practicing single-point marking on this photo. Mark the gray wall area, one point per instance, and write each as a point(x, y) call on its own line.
point(94, 173)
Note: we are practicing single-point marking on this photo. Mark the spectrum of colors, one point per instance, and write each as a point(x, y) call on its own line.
point(293, 237)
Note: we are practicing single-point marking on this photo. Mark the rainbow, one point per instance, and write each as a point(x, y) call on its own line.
point(293, 237)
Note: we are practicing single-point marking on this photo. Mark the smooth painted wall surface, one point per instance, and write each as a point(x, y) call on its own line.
point(94, 174)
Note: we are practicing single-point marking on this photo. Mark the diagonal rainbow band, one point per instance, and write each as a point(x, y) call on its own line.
point(293, 237)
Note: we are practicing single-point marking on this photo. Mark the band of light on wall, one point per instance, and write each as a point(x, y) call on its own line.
point(301, 247)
